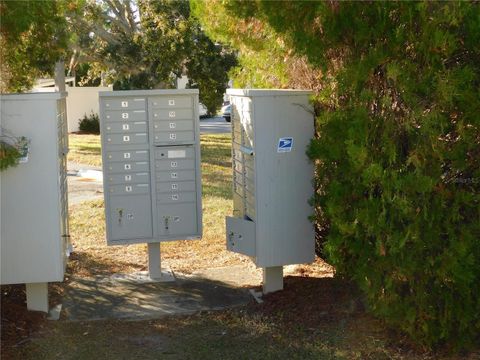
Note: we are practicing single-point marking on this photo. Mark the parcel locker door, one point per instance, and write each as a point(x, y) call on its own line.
point(241, 236)
point(130, 217)
point(177, 220)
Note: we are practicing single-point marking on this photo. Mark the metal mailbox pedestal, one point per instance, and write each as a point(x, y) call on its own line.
point(272, 180)
point(151, 165)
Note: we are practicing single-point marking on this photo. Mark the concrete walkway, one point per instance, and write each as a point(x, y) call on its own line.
point(138, 298)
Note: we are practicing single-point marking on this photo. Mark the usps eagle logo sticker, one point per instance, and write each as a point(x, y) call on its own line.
point(285, 144)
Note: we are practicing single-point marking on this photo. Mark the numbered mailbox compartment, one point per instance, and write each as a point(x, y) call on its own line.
point(127, 167)
point(175, 175)
point(175, 186)
point(168, 114)
point(130, 103)
point(128, 155)
point(174, 136)
point(175, 198)
point(173, 125)
point(134, 178)
point(129, 189)
point(126, 127)
point(127, 139)
point(180, 219)
point(130, 217)
point(125, 115)
point(172, 102)
point(175, 164)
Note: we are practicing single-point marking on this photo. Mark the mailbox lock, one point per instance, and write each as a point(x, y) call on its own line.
point(166, 219)
point(120, 216)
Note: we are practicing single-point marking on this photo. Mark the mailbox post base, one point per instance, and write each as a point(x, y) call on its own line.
point(155, 271)
point(272, 279)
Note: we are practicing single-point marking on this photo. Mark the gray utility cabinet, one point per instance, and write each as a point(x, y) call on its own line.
point(272, 176)
point(151, 165)
point(35, 241)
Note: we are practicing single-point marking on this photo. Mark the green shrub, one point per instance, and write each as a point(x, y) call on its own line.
point(90, 124)
point(398, 148)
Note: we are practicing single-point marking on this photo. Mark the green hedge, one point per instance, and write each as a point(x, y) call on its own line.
point(90, 124)
point(398, 148)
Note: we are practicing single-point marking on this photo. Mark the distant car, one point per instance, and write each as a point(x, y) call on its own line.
point(226, 112)
point(202, 111)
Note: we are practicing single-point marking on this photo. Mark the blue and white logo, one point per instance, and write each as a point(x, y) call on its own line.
point(285, 144)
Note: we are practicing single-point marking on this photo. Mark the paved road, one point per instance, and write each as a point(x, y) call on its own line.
point(215, 125)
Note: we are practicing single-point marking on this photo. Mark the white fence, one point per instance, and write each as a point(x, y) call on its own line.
point(81, 101)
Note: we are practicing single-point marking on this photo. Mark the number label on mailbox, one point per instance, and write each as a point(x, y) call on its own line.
point(126, 138)
point(128, 166)
point(124, 103)
point(175, 197)
point(171, 114)
point(173, 136)
point(173, 175)
point(124, 115)
point(171, 102)
point(128, 188)
point(174, 186)
point(173, 164)
point(128, 177)
point(173, 125)
point(126, 155)
point(126, 127)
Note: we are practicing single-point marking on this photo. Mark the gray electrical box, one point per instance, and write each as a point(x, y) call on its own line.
point(151, 165)
point(272, 177)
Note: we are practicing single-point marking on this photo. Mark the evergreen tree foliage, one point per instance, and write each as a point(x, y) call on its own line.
point(397, 149)
point(148, 44)
point(32, 38)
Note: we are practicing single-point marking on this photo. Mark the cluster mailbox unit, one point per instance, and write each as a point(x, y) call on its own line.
point(272, 180)
point(151, 165)
point(34, 235)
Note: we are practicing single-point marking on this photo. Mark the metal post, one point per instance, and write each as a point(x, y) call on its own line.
point(37, 296)
point(272, 279)
point(155, 265)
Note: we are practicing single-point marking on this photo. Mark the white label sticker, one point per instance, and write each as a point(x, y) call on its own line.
point(128, 177)
point(124, 115)
point(126, 155)
point(124, 103)
point(173, 154)
point(173, 164)
point(174, 186)
point(126, 138)
point(173, 175)
point(173, 136)
point(171, 102)
point(175, 197)
point(128, 188)
point(126, 127)
point(171, 114)
point(128, 166)
point(173, 125)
